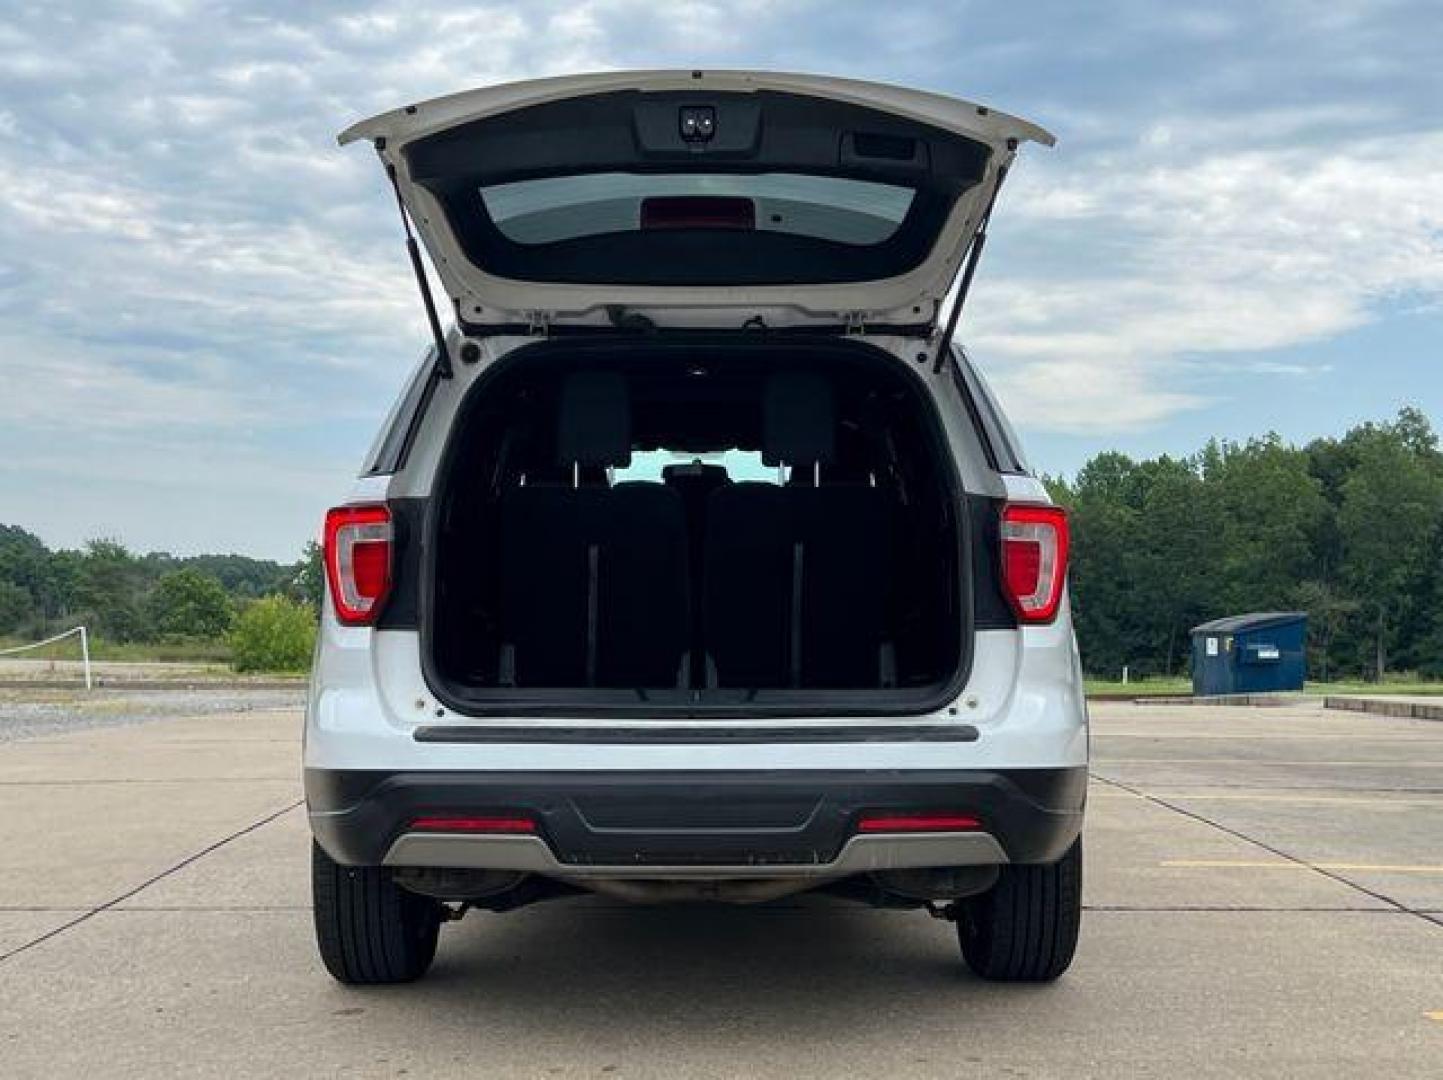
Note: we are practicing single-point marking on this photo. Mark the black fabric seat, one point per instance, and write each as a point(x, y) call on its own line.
point(795, 592)
point(695, 482)
point(594, 578)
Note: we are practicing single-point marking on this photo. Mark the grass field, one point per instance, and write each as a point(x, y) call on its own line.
point(1403, 683)
point(1150, 687)
point(218, 653)
point(188, 652)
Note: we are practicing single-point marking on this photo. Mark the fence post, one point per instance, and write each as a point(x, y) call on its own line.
point(85, 655)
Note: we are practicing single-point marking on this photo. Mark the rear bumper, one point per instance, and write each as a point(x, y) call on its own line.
point(686, 823)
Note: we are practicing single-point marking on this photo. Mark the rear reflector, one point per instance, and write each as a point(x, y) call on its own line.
point(1034, 559)
point(473, 824)
point(888, 821)
point(358, 561)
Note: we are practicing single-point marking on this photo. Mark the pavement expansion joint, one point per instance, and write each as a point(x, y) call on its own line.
point(1240, 909)
point(1270, 849)
point(100, 781)
point(181, 865)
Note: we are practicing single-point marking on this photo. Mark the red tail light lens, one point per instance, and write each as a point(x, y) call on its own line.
point(889, 821)
point(358, 561)
point(1034, 560)
point(473, 824)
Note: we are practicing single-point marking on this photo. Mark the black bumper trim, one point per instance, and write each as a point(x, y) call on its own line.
point(481, 733)
point(771, 818)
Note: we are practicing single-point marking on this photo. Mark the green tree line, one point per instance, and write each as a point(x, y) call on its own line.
point(261, 609)
point(1348, 529)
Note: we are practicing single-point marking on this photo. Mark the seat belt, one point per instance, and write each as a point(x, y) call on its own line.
point(796, 628)
point(884, 449)
point(593, 599)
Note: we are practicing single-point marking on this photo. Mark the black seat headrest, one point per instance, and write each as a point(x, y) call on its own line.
point(695, 472)
point(799, 420)
point(593, 422)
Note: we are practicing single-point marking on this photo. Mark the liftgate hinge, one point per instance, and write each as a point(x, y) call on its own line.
point(538, 323)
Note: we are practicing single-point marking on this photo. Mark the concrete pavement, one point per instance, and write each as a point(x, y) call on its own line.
point(1264, 892)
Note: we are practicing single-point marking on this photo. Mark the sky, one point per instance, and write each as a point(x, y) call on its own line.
point(205, 309)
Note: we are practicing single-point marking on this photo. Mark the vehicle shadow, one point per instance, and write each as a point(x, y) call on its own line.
point(797, 969)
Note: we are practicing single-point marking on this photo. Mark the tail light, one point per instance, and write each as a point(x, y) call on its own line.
point(506, 824)
point(1034, 559)
point(893, 821)
point(358, 561)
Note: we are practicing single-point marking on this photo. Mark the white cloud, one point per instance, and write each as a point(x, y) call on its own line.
point(1228, 250)
point(194, 279)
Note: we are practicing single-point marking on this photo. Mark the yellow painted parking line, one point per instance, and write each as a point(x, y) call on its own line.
point(1276, 736)
point(1265, 761)
point(1232, 796)
point(1437, 1015)
point(1278, 864)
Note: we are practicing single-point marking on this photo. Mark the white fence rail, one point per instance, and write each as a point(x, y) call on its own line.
point(72, 632)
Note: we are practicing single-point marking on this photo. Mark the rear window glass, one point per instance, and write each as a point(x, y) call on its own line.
point(606, 189)
point(388, 453)
point(560, 208)
point(739, 464)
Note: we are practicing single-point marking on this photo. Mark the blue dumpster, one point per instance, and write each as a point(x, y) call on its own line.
point(1250, 654)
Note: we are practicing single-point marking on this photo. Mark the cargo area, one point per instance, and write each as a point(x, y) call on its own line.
point(689, 526)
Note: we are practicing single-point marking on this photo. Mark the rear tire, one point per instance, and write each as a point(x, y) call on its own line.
point(369, 929)
point(1024, 929)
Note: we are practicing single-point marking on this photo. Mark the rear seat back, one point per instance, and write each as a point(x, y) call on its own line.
point(841, 533)
point(695, 482)
point(795, 589)
point(747, 574)
point(594, 578)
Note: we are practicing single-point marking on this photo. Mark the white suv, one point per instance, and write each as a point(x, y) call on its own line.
point(694, 563)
